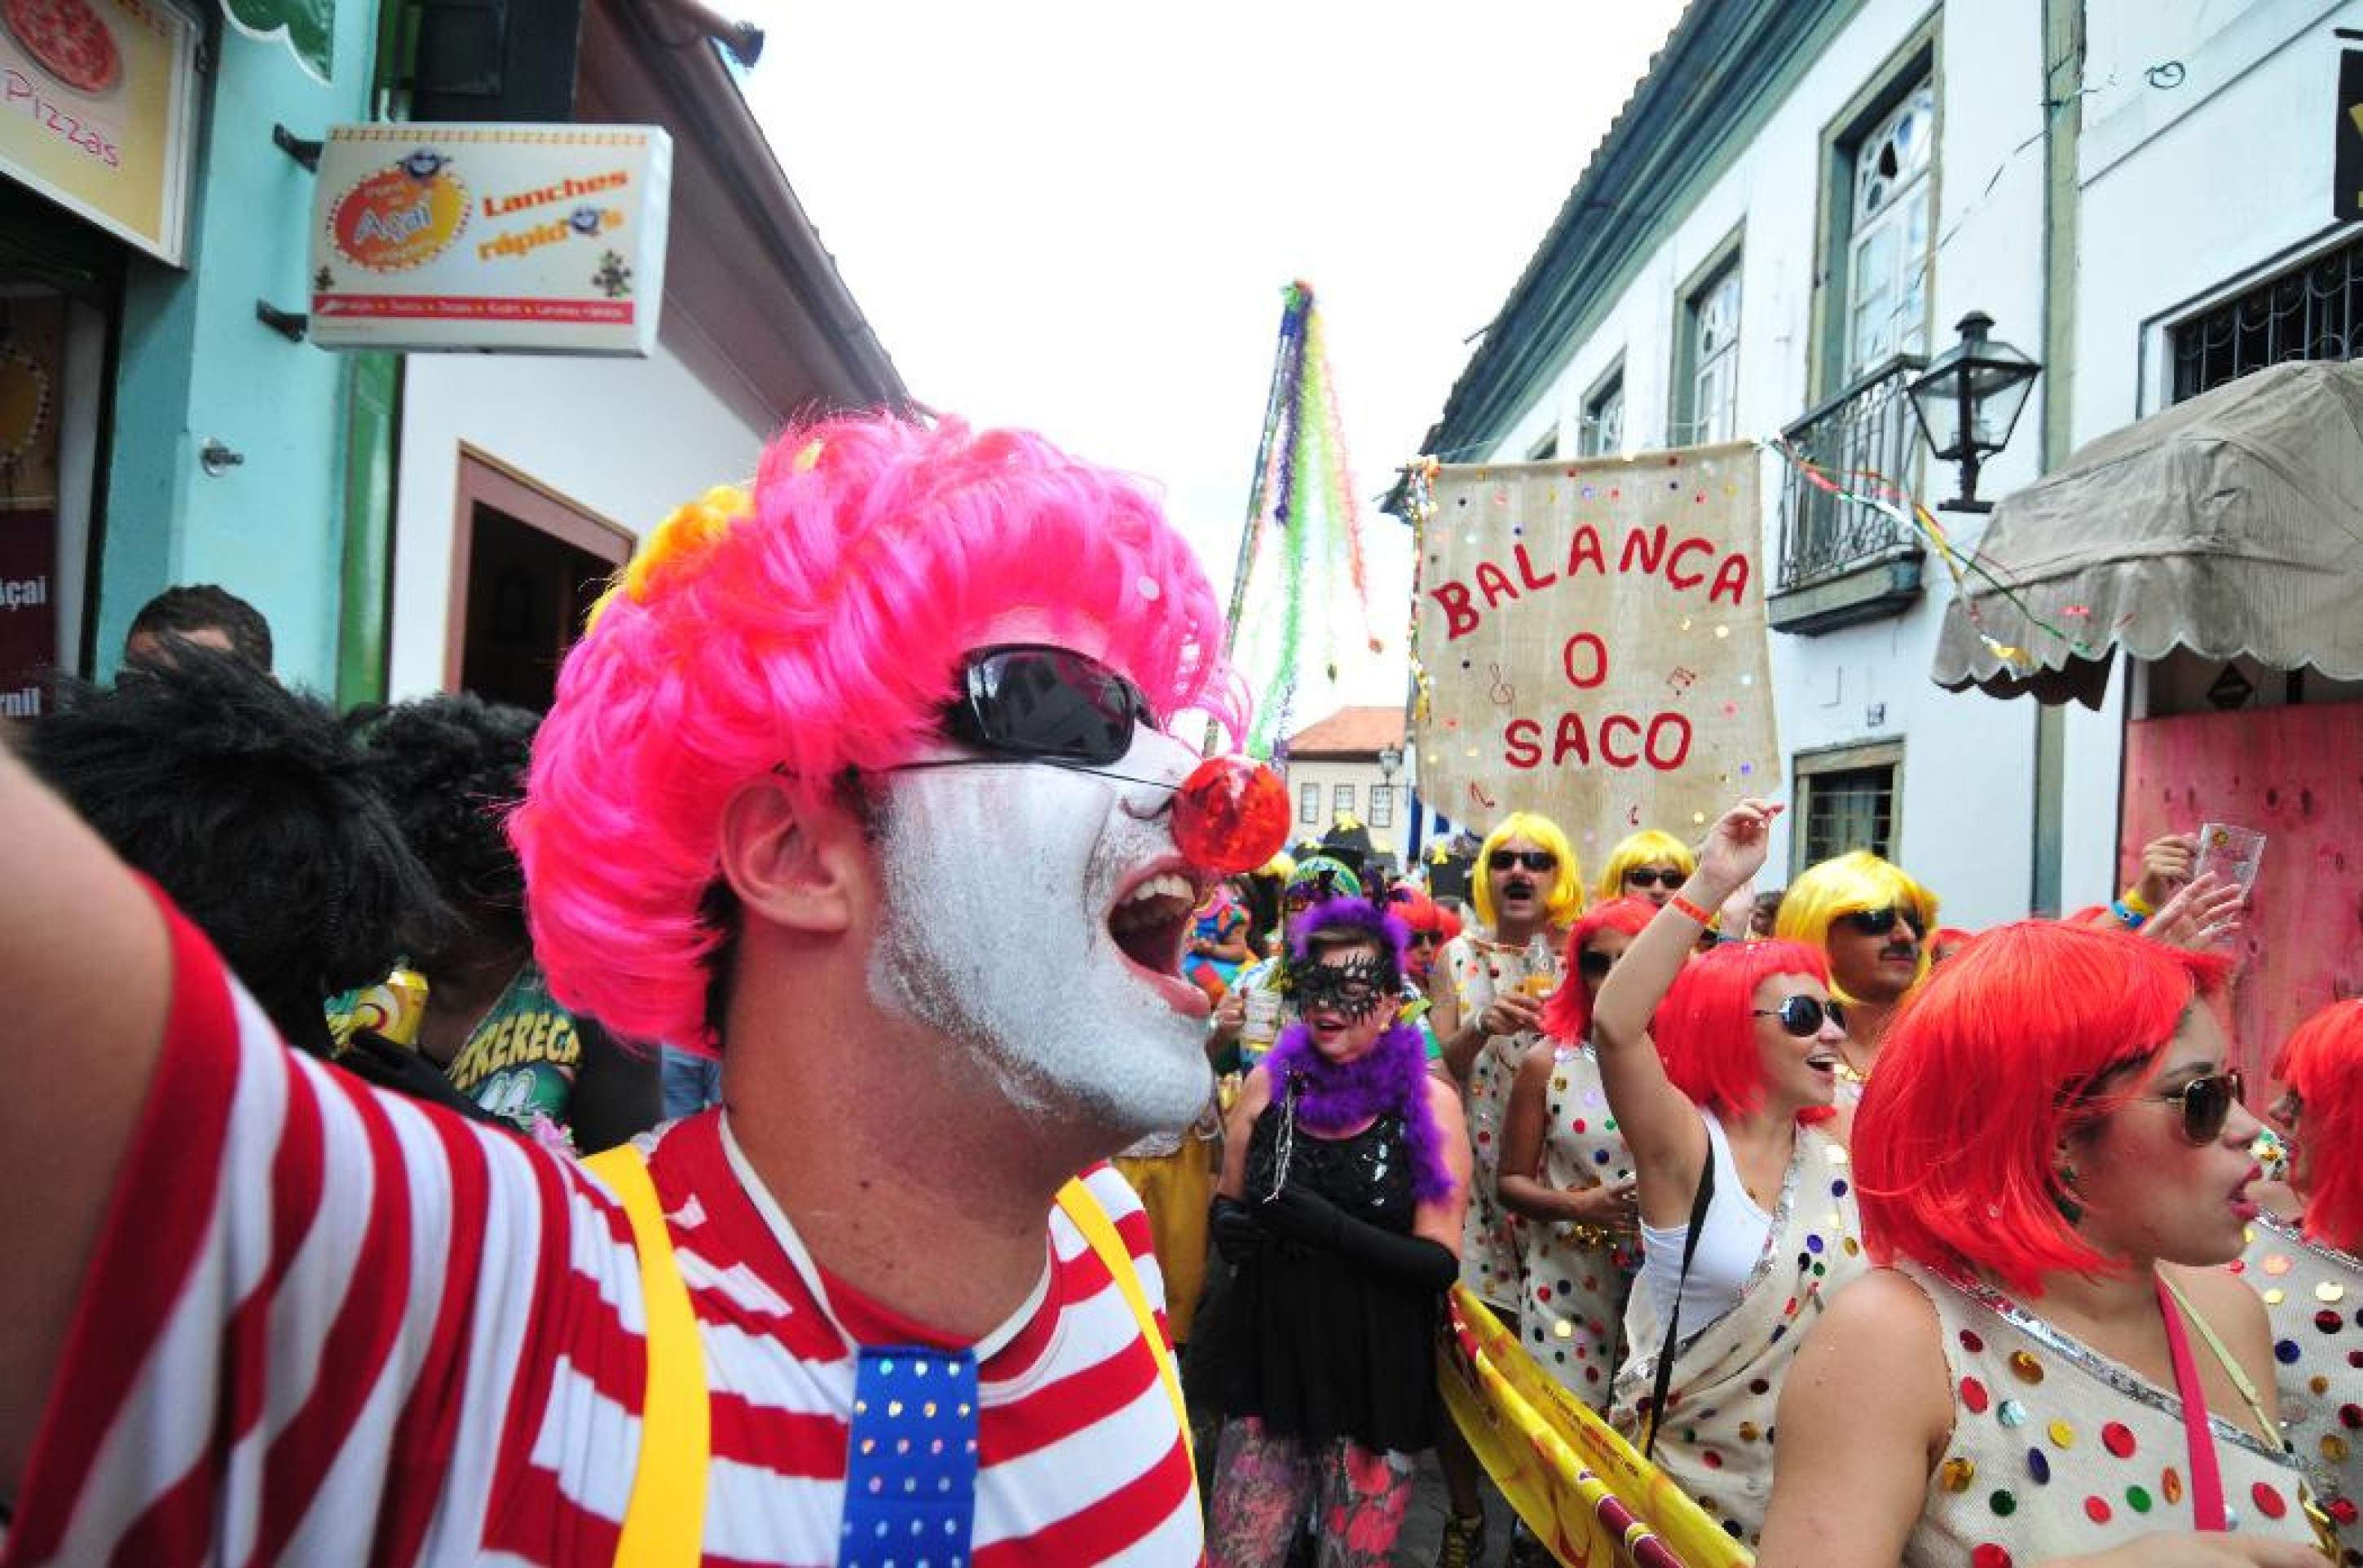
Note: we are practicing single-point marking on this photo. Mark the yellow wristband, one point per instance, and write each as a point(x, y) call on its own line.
point(2131, 898)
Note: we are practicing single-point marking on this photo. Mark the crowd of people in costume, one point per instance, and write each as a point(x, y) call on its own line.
point(849, 1085)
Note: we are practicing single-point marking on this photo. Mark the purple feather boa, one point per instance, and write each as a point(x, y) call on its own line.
point(1391, 1077)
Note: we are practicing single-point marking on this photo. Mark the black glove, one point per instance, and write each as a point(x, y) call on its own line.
point(372, 1059)
point(1238, 1234)
point(1307, 1217)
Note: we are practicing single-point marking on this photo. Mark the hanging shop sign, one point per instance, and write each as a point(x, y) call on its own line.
point(512, 238)
point(97, 111)
point(1591, 643)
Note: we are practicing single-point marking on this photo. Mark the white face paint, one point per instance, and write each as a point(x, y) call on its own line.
point(998, 882)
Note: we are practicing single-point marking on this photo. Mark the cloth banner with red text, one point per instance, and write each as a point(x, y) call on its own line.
point(1591, 643)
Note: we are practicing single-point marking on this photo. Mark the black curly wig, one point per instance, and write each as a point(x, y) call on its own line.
point(449, 767)
point(247, 804)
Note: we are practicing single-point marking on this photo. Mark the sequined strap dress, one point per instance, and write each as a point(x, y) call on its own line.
point(1492, 1245)
point(2314, 1295)
point(1573, 1319)
point(2057, 1450)
point(1716, 1440)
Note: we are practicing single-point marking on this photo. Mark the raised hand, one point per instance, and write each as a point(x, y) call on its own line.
point(2167, 864)
point(2206, 910)
point(1736, 846)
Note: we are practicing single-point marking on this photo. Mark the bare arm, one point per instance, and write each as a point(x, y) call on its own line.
point(85, 967)
point(1439, 1220)
point(1660, 1124)
point(1520, 1180)
point(1460, 1038)
point(1865, 1412)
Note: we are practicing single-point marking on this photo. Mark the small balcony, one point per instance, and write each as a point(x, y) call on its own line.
point(1842, 562)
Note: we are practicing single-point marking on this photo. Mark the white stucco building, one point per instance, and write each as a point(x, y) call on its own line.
point(1789, 218)
point(523, 481)
point(1352, 763)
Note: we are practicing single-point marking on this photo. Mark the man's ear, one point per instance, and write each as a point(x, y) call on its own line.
point(803, 869)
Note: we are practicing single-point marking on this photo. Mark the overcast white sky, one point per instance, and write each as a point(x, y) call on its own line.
point(1079, 217)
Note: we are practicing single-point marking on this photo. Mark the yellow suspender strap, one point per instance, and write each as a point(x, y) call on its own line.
point(664, 1523)
point(1100, 1232)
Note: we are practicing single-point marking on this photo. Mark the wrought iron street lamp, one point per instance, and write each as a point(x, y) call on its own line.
point(1968, 399)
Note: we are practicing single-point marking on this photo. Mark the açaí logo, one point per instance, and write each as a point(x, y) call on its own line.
point(401, 216)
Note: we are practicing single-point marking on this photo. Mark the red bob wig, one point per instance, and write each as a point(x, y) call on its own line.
point(2323, 1061)
point(1705, 1028)
point(1985, 1069)
point(1567, 1011)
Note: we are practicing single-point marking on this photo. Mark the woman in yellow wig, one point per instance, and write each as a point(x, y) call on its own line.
point(1488, 988)
point(1872, 919)
point(1649, 865)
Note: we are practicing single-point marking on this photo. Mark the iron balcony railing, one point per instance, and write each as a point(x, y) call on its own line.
point(1863, 435)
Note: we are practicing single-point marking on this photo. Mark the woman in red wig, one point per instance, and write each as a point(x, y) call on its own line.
point(1565, 1168)
point(2053, 1163)
point(2302, 1257)
point(1747, 1214)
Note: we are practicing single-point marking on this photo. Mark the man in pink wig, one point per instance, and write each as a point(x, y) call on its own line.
point(844, 767)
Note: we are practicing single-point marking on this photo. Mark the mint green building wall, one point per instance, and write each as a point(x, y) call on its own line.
point(196, 363)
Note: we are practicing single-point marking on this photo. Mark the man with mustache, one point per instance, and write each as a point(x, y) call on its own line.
point(259, 1311)
point(1873, 919)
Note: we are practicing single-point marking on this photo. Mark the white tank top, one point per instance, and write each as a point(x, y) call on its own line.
point(1735, 1234)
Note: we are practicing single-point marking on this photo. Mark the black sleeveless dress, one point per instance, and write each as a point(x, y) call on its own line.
point(1320, 1346)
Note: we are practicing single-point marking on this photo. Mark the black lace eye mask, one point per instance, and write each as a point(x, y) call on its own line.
point(1357, 987)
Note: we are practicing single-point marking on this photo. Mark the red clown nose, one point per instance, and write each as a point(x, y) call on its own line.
point(1231, 815)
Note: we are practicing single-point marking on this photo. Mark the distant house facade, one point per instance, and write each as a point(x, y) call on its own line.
point(1351, 763)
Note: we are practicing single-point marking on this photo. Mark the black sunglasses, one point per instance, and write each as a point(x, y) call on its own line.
point(2207, 1104)
point(1594, 967)
point(1650, 876)
point(1531, 859)
point(1046, 704)
point(1876, 922)
point(1801, 1015)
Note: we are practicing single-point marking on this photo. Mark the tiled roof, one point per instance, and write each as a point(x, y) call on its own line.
point(1350, 732)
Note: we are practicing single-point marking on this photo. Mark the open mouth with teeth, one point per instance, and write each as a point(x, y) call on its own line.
point(1151, 921)
point(1823, 1061)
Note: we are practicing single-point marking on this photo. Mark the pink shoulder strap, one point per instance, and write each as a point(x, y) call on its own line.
point(2206, 1479)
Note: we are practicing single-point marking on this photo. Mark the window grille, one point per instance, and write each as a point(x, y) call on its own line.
point(1308, 803)
point(2311, 312)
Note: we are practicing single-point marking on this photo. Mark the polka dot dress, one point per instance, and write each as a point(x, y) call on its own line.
point(1492, 1246)
point(2058, 1450)
point(1573, 1317)
point(2314, 1297)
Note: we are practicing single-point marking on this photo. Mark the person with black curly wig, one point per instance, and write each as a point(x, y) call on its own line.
point(248, 803)
point(450, 766)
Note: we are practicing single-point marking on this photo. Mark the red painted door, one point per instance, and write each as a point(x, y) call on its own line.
point(2296, 774)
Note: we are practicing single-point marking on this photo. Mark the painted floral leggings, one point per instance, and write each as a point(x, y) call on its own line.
point(1263, 1483)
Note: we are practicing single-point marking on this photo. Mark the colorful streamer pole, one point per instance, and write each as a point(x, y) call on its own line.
point(1302, 497)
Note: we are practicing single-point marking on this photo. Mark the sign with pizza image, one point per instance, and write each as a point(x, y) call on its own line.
point(97, 110)
point(516, 239)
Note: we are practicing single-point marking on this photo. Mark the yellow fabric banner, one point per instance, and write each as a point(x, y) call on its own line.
point(1586, 1491)
point(1591, 643)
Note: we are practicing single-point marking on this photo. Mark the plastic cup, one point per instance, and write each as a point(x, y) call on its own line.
point(1261, 1026)
point(2234, 854)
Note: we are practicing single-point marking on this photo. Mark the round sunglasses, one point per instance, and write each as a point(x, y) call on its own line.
point(1801, 1015)
point(2206, 1103)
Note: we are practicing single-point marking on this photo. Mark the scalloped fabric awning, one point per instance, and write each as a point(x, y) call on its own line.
point(2232, 524)
point(308, 28)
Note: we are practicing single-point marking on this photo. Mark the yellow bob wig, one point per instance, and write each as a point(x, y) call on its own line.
point(1566, 899)
point(1851, 884)
point(1648, 847)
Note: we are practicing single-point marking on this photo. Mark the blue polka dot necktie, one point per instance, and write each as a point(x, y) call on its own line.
point(910, 1465)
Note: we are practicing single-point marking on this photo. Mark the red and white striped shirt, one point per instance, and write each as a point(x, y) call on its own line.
point(329, 1325)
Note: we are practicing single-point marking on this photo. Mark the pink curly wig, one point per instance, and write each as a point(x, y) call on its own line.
point(1567, 1011)
point(815, 627)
